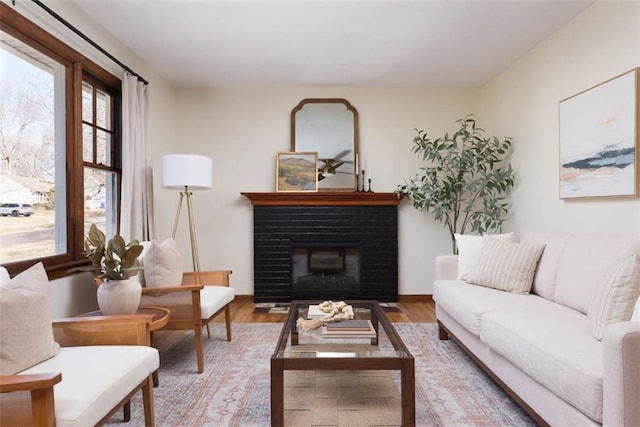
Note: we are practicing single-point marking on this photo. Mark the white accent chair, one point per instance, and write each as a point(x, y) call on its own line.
point(193, 298)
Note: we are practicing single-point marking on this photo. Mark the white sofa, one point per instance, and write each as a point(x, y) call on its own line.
point(539, 346)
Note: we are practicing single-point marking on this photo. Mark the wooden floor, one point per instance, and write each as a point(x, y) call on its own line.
point(410, 312)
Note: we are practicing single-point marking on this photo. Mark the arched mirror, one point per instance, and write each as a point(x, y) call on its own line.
point(330, 127)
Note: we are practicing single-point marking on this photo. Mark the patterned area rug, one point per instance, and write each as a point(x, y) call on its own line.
point(234, 390)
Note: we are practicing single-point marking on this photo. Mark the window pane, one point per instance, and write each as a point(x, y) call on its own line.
point(103, 110)
point(32, 152)
point(87, 143)
point(99, 205)
point(87, 102)
point(103, 150)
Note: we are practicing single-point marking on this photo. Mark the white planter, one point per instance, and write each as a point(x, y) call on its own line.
point(119, 296)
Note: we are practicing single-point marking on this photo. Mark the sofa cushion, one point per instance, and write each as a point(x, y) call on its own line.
point(506, 266)
point(635, 317)
point(162, 263)
point(26, 336)
point(615, 298)
point(584, 262)
point(467, 303)
point(95, 379)
point(469, 248)
point(568, 361)
point(4, 276)
point(544, 279)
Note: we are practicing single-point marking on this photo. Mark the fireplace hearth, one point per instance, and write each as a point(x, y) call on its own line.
point(320, 247)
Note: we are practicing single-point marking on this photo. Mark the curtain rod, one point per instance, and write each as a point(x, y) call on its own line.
point(87, 39)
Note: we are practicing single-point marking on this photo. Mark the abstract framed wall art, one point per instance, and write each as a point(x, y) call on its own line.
point(599, 140)
point(297, 171)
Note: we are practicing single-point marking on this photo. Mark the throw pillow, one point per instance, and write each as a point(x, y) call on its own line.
point(26, 337)
point(162, 264)
point(616, 297)
point(469, 248)
point(507, 266)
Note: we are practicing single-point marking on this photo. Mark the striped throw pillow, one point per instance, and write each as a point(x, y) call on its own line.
point(616, 297)
point(506, 266)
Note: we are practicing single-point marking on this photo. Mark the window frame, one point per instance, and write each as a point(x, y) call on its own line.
point(77, 66)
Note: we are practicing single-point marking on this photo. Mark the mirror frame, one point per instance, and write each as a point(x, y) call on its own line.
point(350, 108)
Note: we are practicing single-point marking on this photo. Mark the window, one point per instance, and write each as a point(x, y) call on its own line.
point(59, 147)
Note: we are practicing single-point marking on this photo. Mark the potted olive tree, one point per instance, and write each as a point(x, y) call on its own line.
point(113, 264)
point(465, 181)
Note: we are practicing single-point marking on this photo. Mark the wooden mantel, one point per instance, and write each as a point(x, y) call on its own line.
point(323, 198)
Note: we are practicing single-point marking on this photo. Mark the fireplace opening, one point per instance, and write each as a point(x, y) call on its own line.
point(327, 271)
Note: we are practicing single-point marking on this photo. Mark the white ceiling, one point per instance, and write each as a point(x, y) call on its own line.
point(331, 43)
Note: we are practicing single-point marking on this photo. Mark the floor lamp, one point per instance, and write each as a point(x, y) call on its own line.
point(187, 172)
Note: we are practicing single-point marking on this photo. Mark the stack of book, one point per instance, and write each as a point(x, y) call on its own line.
point(349, 329)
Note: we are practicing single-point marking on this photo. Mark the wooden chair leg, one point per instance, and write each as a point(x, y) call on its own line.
point(199, 348)
point(147, 401)
point(208, 332)
point(227, 320)
point(126, 411)
point(156, 380)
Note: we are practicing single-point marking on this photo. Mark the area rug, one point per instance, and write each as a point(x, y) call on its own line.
point(234, 389)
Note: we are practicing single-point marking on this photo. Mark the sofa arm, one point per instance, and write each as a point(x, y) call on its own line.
point(621, 382)
point(35, 408)
point(122, 329)
point(447, 267)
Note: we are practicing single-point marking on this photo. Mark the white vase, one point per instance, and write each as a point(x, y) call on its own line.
point(119, 296)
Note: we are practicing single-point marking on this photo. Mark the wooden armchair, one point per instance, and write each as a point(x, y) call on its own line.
point(201, 297)
point(117, 357)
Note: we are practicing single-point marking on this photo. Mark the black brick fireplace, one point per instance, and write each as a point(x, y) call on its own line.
point(325, 246)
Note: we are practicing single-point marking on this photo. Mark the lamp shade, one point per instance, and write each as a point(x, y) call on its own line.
point(186, 170)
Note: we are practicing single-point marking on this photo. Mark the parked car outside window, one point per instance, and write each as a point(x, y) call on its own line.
point(16, 209)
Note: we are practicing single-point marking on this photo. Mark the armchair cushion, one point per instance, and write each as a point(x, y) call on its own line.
point(162, 263)
point(26, 338)
point(121, 367)
point(214, 298)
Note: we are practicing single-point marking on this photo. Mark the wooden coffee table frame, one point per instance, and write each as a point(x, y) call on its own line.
point(404, 362)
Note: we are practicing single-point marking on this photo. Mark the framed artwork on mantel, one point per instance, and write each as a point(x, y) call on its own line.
point(297, 171)
point(599, 140)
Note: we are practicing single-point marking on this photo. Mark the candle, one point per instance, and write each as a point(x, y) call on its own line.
point(356, 163)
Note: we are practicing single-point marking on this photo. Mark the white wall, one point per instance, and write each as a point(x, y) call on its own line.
point(600, 43)
point(242, 129)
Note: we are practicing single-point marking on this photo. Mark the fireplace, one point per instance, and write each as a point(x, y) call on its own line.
point(323, 270)
point(325, 246)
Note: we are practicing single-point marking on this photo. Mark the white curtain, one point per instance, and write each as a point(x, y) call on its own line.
point(136, 208)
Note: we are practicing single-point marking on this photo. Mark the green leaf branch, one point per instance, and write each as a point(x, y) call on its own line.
point(466, 180)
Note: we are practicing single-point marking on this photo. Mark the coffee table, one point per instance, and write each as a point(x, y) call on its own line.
point(384, 352)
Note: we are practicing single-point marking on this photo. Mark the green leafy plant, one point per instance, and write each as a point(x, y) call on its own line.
point(466, 180)
point(112, 260)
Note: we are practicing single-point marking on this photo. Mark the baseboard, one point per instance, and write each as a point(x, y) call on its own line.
point(243, 299)
point(246, 299)
point(415, 298)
